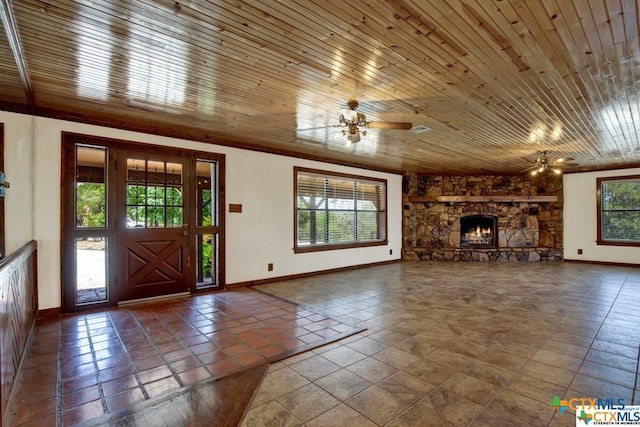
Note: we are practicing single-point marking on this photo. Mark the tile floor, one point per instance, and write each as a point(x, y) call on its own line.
point(446, 344)
point(97, 366)
point(458, 344)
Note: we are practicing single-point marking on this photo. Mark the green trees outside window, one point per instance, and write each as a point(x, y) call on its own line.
point(619, 210)
point(154, 206)
point(206, 243)
point(91, 205)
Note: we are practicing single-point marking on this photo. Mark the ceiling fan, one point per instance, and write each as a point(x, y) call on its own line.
point(352, 120)
point(546, 163)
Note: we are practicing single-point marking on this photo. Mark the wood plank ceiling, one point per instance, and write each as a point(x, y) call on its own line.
point(494, 81)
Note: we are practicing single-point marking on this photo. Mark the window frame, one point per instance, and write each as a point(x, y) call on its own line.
point(2, 224)
point(599, 238)
point(343, 245)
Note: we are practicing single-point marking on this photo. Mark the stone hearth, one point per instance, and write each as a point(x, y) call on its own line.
point(526, 230)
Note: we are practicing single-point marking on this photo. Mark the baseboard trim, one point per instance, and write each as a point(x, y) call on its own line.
point(309, 274)
point(48, 313)
point(613, 264)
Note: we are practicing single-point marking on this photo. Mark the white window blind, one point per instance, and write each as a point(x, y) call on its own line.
point(338, 210)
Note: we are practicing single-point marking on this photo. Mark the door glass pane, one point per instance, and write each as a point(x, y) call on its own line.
point(136, 170)
point(155, 216)
point(207, 264)
point(155, 172)
point(174, 174)
point(173, 195)
point(136, 216)
point(91, 196)
point(206, 192)
point(91, 270)
point(174, 216)
point(154, 194)
point(206, 218)
point(136, 195)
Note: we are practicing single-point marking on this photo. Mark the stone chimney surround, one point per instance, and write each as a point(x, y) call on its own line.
point(528, 212)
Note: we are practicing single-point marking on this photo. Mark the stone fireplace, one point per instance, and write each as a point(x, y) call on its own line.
point(478, 231)
point(483, 218)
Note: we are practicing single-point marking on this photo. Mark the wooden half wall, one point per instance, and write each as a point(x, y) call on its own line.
point(18, 307)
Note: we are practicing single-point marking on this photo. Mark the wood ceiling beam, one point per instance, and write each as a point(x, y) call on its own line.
point(11, 30)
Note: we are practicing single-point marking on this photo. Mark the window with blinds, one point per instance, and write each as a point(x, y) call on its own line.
point(619, 211)
point(334, 210)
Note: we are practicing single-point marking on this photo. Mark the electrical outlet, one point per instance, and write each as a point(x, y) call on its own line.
point(270, 266)
point(390, 251)
point(579, 251)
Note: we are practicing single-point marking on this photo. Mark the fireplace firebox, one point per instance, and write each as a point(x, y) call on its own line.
point(478, 231)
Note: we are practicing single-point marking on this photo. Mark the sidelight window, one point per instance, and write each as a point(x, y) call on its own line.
point(207, 222)
point(91, 235)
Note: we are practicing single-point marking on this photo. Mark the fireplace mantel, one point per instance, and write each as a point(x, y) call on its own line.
point(482, 199)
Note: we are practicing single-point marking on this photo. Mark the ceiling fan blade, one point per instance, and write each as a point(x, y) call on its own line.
point(563, 159)
point(316, 128)
point(566, 164)
point(530, 168)
point(389, 125)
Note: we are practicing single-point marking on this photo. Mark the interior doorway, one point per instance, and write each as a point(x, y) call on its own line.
point(140, 221)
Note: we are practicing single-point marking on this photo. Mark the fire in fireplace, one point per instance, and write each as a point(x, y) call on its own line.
point(478, 231)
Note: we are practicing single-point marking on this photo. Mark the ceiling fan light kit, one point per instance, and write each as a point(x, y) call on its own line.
point(352, 116)
point(548, 169)
point(546, 163)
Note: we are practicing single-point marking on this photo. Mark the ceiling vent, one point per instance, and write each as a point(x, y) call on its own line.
point(420, 129)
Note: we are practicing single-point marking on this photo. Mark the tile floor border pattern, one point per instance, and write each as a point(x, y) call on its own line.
point(221, 402)
point(480, 357)
point(99, 364)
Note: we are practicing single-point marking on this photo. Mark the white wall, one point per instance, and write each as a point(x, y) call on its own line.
point(261, 234)
point(580, 220)
point(18, 161)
